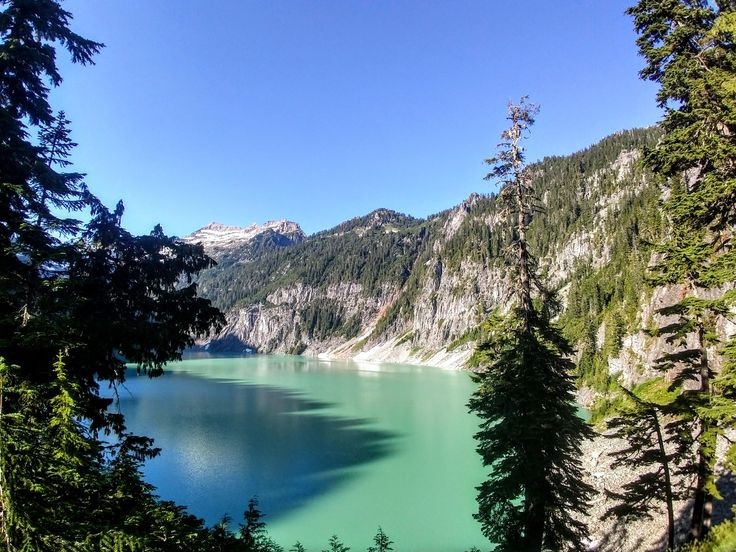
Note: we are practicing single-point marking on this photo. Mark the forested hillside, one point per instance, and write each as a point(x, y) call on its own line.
point(389, 286)
point(634, 235)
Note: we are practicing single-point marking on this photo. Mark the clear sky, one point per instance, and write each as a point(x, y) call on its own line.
point(242, 111)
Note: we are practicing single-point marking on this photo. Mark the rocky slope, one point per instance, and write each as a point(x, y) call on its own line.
point(387, 286)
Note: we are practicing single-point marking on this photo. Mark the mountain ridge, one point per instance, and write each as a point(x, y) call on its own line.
point(216, 235)
point(391, 287)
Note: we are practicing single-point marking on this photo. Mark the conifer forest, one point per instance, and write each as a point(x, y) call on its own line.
point(590, 298)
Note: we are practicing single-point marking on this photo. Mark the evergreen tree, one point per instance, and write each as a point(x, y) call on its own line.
point(64, 191)
point(27, 68)
point(77, 300)
point(221, 539)
point(336, 545)
point(253, 528)
point(530, 433)
point(92, 290)
point(253, 534)
point(19, 437)
point(381, 541)
point(689, 50)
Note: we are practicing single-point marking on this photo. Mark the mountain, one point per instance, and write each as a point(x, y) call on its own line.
point(387, 286)
point(220, 240)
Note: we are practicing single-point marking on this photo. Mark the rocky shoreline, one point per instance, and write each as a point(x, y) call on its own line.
point(621, 535)
point(641, 535)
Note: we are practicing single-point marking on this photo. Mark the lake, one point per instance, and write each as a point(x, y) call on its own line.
point(328, 447)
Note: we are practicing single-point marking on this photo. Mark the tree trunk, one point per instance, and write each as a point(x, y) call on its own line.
point(525, 286)
point(703, 504)
point(522, 222)
point(534, 527)
point(667, 483)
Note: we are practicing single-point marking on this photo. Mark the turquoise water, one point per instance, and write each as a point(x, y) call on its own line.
point(328, 447)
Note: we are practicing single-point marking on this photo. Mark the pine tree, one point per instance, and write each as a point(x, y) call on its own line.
point(27, 67)
point(690, 51)
point(253, 528)
point(253, 534)
point(530, 433)
point(64, 191)
point(91, 291)
point(19, 435)
point(221, 539)
point(336, 545)
point(381, 541)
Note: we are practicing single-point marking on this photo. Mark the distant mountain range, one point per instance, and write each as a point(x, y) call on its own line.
point(219, 239)
point(391, 287)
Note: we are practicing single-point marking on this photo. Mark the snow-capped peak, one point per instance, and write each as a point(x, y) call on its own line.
point(216, 235)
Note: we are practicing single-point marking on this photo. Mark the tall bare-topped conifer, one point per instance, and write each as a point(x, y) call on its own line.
point(530, 432)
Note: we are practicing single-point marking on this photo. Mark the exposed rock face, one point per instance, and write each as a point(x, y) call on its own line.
point(457, 216)
point(611, 189)
point(275, 325)
point(332, 294)
point(448, 303)
point(636, 359)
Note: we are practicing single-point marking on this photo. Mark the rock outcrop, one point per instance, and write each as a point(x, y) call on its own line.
point(390, 287)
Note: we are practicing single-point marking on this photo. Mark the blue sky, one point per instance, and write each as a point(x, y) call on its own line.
point(321, 110)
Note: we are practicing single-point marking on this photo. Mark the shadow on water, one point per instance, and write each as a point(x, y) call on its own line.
point(223, 443)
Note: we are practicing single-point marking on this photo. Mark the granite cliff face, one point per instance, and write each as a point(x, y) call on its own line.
point(394, 288)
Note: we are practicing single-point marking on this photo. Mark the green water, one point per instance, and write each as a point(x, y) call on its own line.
point(328, 447)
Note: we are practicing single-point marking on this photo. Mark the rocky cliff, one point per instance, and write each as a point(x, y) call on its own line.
point(391, 287)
